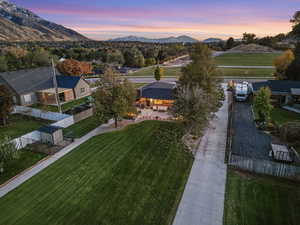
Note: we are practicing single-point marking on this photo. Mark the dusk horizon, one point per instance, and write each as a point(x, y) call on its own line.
point(159, 19)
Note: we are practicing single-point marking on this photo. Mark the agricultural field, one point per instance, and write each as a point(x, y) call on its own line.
point(133, 176)
point(260, 200)
point(19, 125)
point(246, 59)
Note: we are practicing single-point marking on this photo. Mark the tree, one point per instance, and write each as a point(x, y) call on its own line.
point(293, 70)
point(6, 104)
point(3, 64)
point(197, 94)
point(249, 38)
point(296, 24)
point(134, 58)
point(8, 152)
point(150, 61)
point(114, 98)
point(158, 73)
point(262, 104)
point(72, 67)
point(282, 62)
point(41, 58)
point(230, 43)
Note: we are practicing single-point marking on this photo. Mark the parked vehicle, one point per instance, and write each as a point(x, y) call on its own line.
point(242, 91)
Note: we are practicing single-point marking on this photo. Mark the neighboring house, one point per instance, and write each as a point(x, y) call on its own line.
point(157, 95)
point(283, 91)
point(37, 86)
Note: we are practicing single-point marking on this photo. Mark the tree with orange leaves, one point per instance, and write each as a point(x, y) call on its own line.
point(72, 67)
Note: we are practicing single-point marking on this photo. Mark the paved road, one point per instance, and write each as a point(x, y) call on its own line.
point(203, 198)
point(247, 139)
point(44, 164)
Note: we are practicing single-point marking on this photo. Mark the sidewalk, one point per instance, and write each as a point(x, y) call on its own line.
point(202, 202)
point(18, 180)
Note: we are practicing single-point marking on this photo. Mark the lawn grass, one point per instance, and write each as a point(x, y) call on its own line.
point(246, 59)
point(260, 200)
point(134, 176)
point(281, 116)
point(138, 85)
point(25, 160)
point(232, 72)
point(19, 125)
point(83, 127)
point(149, 71)
point(65, 107)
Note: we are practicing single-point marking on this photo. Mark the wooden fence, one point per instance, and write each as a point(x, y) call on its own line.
point(261, 166)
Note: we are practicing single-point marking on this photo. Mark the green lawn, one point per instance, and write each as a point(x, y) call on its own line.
point(281, 116)
point(135, 176)
point(259, 200)
point(244, 59)
point(81, 128)
point(64, 107)
point(149, 71)
point(26, 159)
point(19, 125)
point(138, 85)
point(227, 72)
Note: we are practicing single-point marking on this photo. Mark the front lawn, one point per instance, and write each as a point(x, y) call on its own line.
point(26, 159)
point(260, 200)
point(135, 176)
point(246, 59)
point(83, 127)
point(19, 125)
point(281, 116)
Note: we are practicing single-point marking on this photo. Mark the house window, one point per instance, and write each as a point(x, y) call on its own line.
point(82, 90)
point(27, 98)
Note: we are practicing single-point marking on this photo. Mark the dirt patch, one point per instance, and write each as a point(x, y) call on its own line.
point(251, 48)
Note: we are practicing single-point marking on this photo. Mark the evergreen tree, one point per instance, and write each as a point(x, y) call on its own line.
point(262, 104)
point(158, 73)
point(293, 70)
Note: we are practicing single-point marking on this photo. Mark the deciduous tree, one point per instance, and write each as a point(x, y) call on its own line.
point(262, 104)
point(282, 62)
point(249, 38)
point(8, 152)
point(230, 43)
point(293, 70)
point(114, 98)
point(158, 73)
point(6, 104)
point(73, 67)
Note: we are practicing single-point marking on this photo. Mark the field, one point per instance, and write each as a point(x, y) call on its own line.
point(81, 128)
point(149, 71)
point(252, 200)
point(232, 72)
point(20, 125)
point(281, 116)
point(243, 59)
point(25, 160)
point(134, 176)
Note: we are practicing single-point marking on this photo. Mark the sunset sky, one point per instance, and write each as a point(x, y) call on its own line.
point(200, 19)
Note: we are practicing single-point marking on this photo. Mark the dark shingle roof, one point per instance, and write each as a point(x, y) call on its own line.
point(279, 86)
point(49, 129)
point(158, 90)
point(26, 81)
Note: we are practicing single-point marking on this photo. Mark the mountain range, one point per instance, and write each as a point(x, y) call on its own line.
point(19, 24)
point(180, 39)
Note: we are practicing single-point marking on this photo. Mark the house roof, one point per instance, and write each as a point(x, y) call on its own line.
point(279, 86)
point(32, 80)
point(49, 129)
point(158, 90)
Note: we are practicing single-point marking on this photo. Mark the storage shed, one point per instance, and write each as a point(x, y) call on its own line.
point(51, 134)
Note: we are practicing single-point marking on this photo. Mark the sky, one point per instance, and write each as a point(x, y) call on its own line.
point(201, 19)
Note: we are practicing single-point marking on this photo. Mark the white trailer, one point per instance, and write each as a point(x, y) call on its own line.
point(242, 91)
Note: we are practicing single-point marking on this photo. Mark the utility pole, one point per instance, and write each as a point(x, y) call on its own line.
point(55, 86)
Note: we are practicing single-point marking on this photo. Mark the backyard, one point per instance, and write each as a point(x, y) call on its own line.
point(281, 116)
point(262, 200)
point(134, 176)
point(246, 59)
point(25, 160)
point(19, 125)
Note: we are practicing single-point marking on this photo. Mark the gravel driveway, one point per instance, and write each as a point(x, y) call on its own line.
point(247, 139)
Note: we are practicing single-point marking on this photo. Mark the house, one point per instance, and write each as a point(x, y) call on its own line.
point(283, 91)
point(37, 86)
point(157, 95)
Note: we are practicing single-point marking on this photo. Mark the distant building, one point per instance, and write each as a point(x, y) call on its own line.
point(157, 95)
point(283, 91)
point(37, 86)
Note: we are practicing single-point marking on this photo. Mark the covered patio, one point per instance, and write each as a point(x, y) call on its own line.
point(47, 97)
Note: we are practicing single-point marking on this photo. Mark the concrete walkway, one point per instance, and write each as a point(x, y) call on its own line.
point(291, 109)
point(18, 180)
point(203, 198)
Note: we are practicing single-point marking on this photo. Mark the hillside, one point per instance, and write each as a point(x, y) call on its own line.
point(19, 24)
point(180, 39)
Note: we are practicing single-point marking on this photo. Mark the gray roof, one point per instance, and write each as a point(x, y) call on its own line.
point(277, 86)
point(32, 80)
point(158, 90)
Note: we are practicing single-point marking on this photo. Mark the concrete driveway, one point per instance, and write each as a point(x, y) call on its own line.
point(203, 198)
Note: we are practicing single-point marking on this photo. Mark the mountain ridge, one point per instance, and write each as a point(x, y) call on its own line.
point(20, 24)
point(179, 39)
